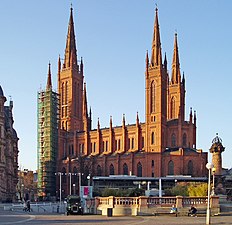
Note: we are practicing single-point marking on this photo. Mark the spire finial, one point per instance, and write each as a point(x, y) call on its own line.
point(156, 56)
point(49, 80)
point(175, 63)
point(70, 57)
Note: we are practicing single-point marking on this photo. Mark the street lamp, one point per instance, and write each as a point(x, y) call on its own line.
point(79, 174)
point(88, 178)
point(70, 183)
point(59, 174)
point(209, 166)
point(74, 188)
point(213, 188)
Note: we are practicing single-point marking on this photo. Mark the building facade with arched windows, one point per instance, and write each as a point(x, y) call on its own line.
point(165, 144)
point(8, 152)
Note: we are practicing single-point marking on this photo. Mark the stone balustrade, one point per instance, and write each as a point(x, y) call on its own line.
point(146, 205)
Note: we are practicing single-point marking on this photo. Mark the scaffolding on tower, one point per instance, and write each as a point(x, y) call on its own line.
point(47, 138)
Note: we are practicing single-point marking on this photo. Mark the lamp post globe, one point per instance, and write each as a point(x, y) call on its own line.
point(209, 166)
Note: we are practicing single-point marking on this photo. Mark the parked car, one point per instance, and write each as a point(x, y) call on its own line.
point(74, 205)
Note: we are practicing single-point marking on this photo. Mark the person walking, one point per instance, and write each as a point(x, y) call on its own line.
point(28, 206)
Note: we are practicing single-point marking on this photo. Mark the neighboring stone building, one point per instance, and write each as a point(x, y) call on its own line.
point(8, 152)
point(165, 144)
point(27, 185)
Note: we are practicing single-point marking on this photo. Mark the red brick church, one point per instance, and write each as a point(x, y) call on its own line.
point(165, 144)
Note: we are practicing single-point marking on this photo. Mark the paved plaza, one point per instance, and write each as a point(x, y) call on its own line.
point(11, 218)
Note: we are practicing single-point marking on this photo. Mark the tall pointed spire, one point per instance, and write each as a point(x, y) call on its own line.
point(70, 57)
point(156, 57)
point(85, 108)
point(175, 63)
point(49, 80)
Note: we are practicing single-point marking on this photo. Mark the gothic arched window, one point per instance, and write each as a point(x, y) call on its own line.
point(173, 140)
point(173, 107)
point(139, 170)
point(111, 169)
point(152, 138)
point(66, 93)
point(63, 92)
point(190, 167)
point(170, 168)
point(125, 169)
point(152, 92)
point(152, 163)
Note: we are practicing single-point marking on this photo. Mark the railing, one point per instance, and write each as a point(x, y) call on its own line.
point(197, 201)
point(164, 201)
point(126, 201)
point(149, 202)
point(104, 201)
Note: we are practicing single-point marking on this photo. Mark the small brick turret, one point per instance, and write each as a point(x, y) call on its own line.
point(216, 149)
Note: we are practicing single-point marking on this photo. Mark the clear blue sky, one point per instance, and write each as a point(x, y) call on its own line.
point(112, 37)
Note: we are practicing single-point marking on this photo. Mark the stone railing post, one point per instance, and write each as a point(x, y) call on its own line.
point(214, 201)
point(143, 202)
point(179, 202)
point(110, 202)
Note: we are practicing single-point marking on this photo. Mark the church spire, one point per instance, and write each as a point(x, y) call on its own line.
point(85, 108)
point(70, 57)
point(156, 57)
point(49, 80)
point(175, 63)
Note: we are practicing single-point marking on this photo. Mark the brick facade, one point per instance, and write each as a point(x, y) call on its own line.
point(165, 144)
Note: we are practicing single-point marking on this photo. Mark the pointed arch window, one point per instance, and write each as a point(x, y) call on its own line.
point(99, 170)
point(139, 170)
point(106, 148)
point(78, 100)
point(190, 167)
point(173, 107)
point(171, 168)
point(66, 92)
point(173, 140)
point(152, 163)
point(62, 91)
point(152, 95)
point(152, 138)
point(125, 169)
point(111, 169)
point(184, 140)
point(132, 143)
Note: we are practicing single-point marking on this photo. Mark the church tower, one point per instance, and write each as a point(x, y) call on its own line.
point(156, 95)
point(176, 89)
point(70, 84)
